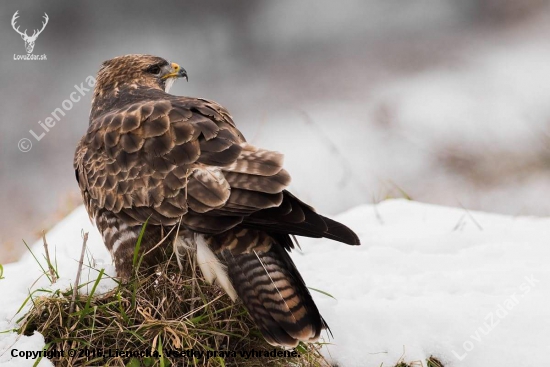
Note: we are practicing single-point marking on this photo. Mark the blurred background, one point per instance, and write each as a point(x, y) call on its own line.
point(442, 101)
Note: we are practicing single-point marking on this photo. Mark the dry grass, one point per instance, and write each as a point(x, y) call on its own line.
point(162, 309)
point(434, 362)
point(430, 362)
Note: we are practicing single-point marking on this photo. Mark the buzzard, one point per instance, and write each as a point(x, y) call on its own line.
point(180, 162)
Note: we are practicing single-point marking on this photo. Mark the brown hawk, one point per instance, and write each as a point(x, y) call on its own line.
point(181, 162)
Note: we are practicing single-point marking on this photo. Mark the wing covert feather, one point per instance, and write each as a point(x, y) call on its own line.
point(164, 159)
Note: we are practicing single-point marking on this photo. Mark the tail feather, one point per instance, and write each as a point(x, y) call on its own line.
point(275, 295)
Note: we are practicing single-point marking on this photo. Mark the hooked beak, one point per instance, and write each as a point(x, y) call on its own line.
point(176, 72)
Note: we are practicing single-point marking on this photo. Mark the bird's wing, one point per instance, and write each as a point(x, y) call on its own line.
point(183, 158)
point(169, 158)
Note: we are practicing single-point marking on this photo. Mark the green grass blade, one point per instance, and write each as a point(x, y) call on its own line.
point(138, 245)
point(86, 309)
point(38, 262)
point(322, 292)
point(159, 349)
point(40, 358)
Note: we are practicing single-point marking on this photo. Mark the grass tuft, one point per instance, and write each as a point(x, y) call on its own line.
point(162, 309)
point(434, 362)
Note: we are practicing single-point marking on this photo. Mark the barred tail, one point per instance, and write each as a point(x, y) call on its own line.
point(275, 295)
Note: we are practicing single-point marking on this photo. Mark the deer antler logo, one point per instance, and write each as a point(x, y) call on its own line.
point(29, 40)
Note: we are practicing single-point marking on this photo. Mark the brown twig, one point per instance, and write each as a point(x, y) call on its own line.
point(75, 288)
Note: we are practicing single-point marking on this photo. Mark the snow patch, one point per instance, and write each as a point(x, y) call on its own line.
point(469, 288)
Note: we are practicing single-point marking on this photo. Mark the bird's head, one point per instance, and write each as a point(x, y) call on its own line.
point(132, 71)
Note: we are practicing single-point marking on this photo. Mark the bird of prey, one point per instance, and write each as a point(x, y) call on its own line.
point(181, 162)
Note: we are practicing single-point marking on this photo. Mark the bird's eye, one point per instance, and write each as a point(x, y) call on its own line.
point(155, 69)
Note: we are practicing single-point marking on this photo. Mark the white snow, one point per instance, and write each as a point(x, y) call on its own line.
point(469, 288)
point(427, 280)
point(25, 276)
